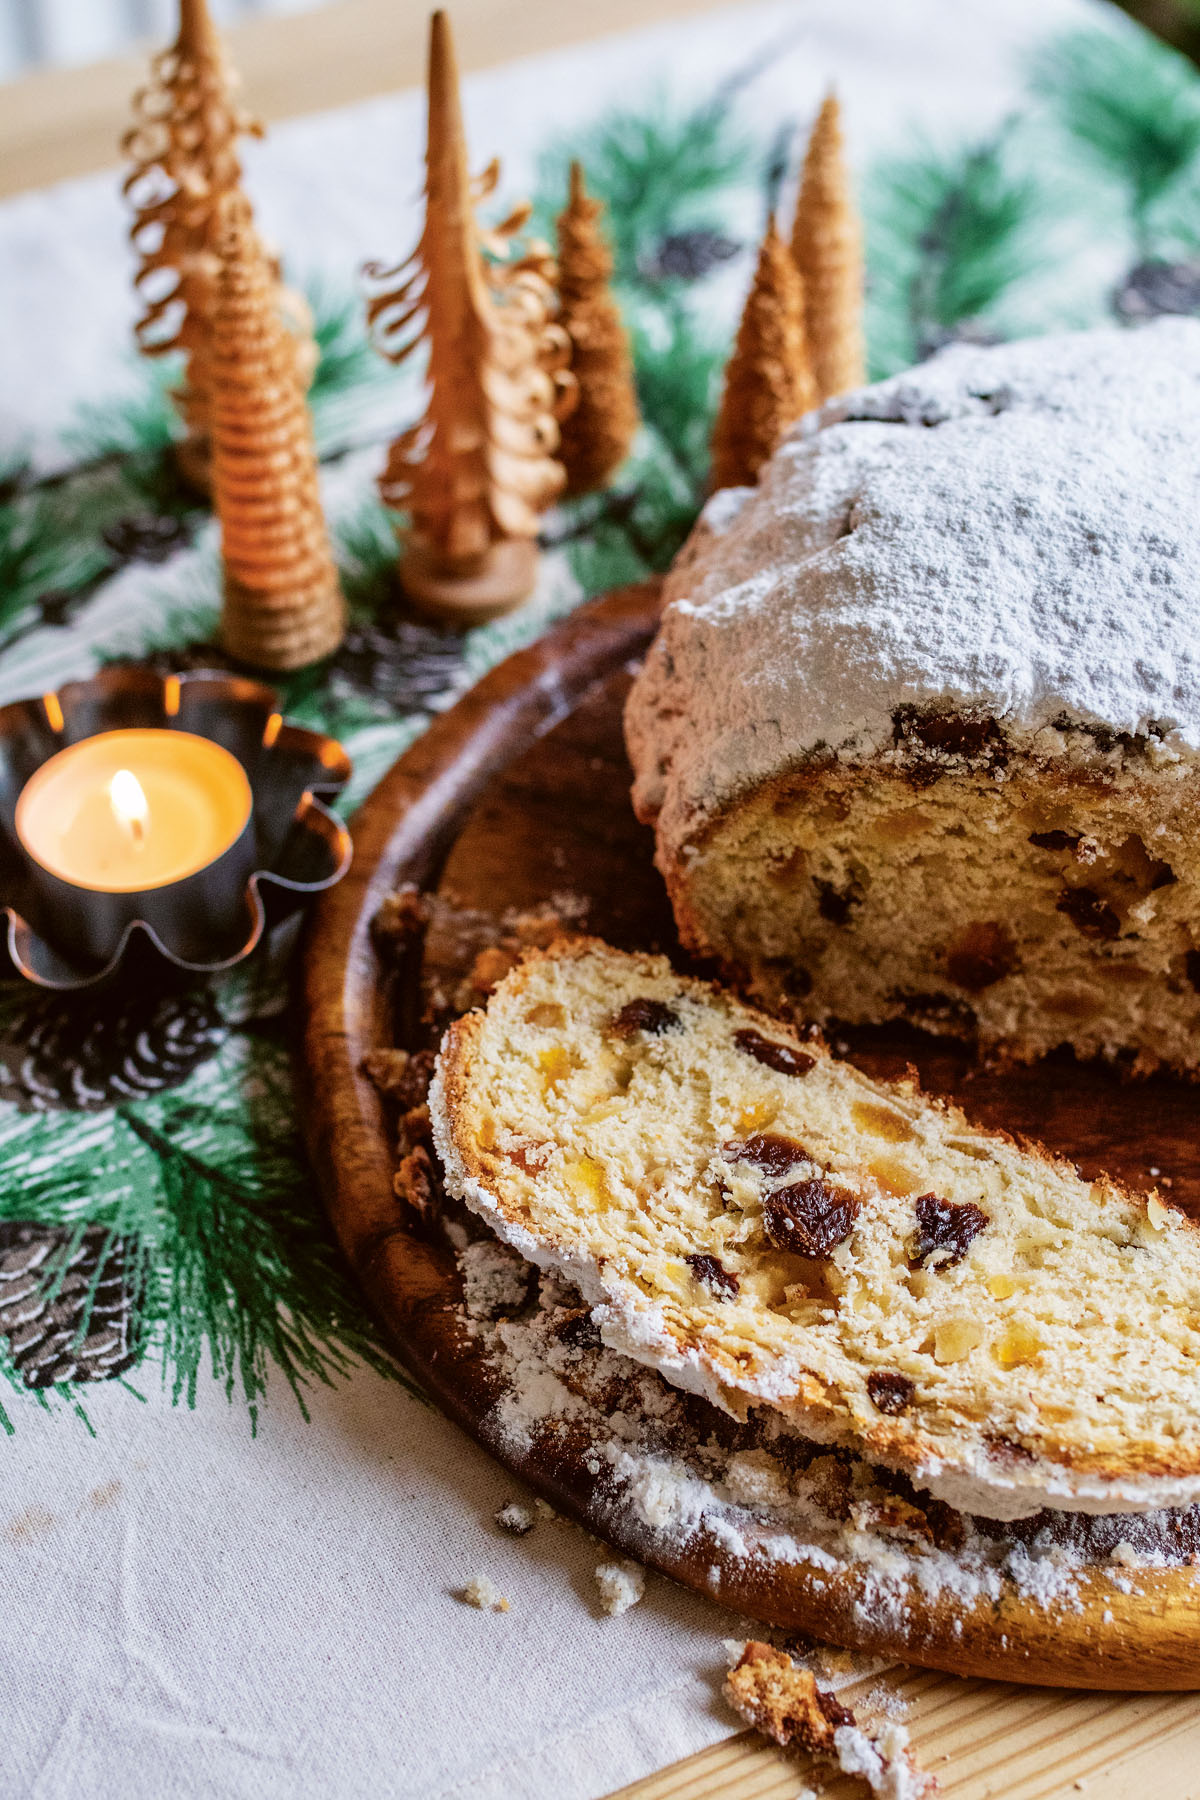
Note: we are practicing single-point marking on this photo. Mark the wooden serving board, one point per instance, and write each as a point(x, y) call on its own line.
point(517, 794)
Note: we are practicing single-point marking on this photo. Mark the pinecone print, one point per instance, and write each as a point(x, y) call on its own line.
point(86, 1054)
point(687, 255)
point(48, 1274)
point(1154, 289)
point(397, 660)
point(146, 537)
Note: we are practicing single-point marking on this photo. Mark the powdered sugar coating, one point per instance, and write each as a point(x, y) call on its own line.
point(1011, 529)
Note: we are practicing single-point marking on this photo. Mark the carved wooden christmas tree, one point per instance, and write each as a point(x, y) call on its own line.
point(183, 146)
point(769, 380)
point(827, 246)
point(283, 606)
point(473, 475)
point(600, 428)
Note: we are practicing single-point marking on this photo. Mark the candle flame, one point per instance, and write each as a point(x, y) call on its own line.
point(129, 803)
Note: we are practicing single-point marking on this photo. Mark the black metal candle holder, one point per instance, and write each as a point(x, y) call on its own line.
point(64, 936)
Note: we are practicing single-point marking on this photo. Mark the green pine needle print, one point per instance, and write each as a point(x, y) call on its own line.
point(952, 237)
point(36, 558)
point(345, 359)
point(228, 1257)
point(367, 554)
point(1131, 106)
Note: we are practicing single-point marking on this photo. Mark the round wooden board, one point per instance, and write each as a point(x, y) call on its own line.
point(517, 794)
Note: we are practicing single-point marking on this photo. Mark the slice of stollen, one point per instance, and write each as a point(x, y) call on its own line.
point(765, 1224)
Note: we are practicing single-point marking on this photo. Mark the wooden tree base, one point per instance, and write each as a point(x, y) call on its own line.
point(282, 637)
point(504, 582)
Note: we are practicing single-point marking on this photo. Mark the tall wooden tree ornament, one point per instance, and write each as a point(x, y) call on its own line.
point(283, 605)
point(769, 380)
point(827, 246)
point(184, 149)
point(474, 473)
point(598, 432)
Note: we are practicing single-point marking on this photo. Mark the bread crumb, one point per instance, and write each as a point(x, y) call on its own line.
point(621, 1586)
point(785, 1703)
point(544, 1510)
point(495, 1279)
point(482, 1592)
point(517, 1519)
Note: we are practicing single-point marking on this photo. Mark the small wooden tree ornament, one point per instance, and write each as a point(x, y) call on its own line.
point(184, 149)
point(769, 380)
point(478, 468)
point(827, 246)
point(283, 605)
point(598, 432)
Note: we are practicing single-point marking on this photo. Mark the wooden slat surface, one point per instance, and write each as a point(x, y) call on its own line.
point(982, 1741)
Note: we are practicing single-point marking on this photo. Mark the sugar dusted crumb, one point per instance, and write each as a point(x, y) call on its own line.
point(786, 1704)
point(495, 1279)
point(621, 1586)
point(517, 1519)
point(482, 1592)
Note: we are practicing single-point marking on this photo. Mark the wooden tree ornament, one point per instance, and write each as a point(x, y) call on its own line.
point(598, 432)
point(478, 468)
point(769, 380)
point(283, 605)
point(184, 149)
point(827, 246)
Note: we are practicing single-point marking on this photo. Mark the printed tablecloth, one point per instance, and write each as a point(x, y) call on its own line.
point(231, 1533)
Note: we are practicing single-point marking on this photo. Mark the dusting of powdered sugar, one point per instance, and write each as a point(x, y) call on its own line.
point(673, 1474)
point(882, 1760)
point(1010, 529)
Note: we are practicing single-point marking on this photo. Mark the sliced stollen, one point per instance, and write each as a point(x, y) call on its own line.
point(765, 1224)
point(920, 732)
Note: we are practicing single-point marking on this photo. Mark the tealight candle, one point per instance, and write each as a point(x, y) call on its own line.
point(131, 810)
point(138, 824)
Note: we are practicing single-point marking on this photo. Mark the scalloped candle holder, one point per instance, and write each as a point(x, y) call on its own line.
point(65, 934)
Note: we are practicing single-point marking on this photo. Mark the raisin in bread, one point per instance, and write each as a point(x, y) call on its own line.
point(919, 732)
point(765, 1224)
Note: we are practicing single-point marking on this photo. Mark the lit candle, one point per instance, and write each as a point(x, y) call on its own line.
point(131, 810)
point(138, 824)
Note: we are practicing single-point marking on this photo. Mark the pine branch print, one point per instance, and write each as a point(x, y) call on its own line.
point(1131, 107)
point(953, 236)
